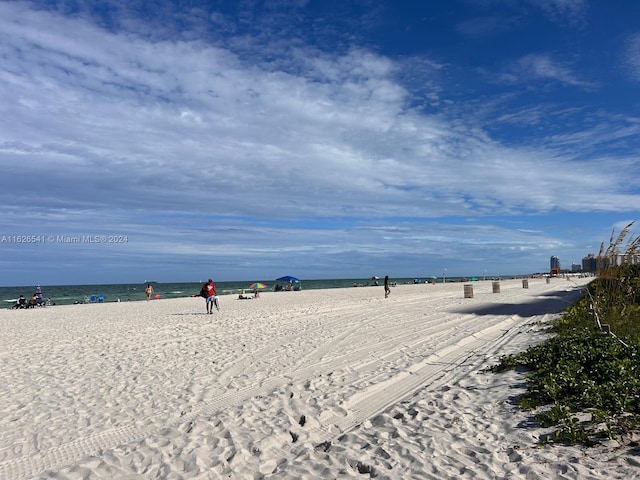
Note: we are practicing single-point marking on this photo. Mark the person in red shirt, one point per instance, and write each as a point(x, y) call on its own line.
point(212, 298)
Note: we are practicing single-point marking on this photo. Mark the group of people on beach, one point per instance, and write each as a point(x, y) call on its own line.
point(36, 300)
point(387, 285)
point(208, 292)
point(244, 296)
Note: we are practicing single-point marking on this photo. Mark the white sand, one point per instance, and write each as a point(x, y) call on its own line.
point(315, 384)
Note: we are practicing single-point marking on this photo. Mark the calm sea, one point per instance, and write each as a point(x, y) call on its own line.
point(70, 294)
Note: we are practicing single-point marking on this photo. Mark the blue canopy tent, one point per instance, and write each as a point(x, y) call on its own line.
point(294, 283)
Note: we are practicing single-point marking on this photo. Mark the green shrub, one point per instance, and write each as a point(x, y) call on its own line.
point(583, 371)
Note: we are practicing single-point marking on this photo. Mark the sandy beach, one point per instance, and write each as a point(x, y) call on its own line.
point(316, 384)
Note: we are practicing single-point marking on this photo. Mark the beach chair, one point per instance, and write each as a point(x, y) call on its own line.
point(93, 299)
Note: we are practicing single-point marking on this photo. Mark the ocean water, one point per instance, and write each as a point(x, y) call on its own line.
point(70, 294)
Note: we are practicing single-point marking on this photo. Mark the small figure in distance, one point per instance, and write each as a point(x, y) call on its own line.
point(33, 301)
point(387, 290)
point(38, 294)
point(21, 302)
point(149, 291)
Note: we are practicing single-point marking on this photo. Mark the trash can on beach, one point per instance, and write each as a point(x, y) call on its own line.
point(496, 287)
point(468, 291)
point(525, 283)
point(548, 280)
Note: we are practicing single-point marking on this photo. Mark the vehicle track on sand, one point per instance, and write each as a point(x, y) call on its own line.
point(444, 366)
point(444, 363)
point(439, 368)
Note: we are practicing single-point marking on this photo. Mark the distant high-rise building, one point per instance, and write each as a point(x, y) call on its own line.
point(590, 263)
point(555, 264)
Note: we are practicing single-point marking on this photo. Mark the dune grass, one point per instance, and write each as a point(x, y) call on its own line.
point(585, 380)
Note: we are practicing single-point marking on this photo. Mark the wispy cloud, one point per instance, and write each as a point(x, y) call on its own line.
point(533, 67)
point(195, 144)
point(569, 12)
point(632, 56)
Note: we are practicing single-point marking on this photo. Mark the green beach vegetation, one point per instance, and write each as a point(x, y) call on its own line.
point(585, 380)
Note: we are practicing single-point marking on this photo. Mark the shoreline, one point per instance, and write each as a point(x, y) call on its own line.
point(79, 294)
point(311, 384)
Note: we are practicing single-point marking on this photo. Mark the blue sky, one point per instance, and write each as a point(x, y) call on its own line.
point(321, 139)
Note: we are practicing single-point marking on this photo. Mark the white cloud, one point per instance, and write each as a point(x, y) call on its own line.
point(184, 144)
point(544, 67)
point(632, 56)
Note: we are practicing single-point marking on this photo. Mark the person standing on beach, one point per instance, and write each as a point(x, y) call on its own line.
point(212, 298)
point(149, 291)
point(387, 290)
point(38, 294)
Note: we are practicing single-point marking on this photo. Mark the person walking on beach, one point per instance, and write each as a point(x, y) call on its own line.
point(212, 298)
point(149, 291)
point(387, 290)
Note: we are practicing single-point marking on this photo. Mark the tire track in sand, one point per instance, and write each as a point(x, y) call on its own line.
point(442, 366)
point(446, 365)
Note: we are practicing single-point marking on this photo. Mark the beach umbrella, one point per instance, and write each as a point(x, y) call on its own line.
point(257, 286)
point(287, 278)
